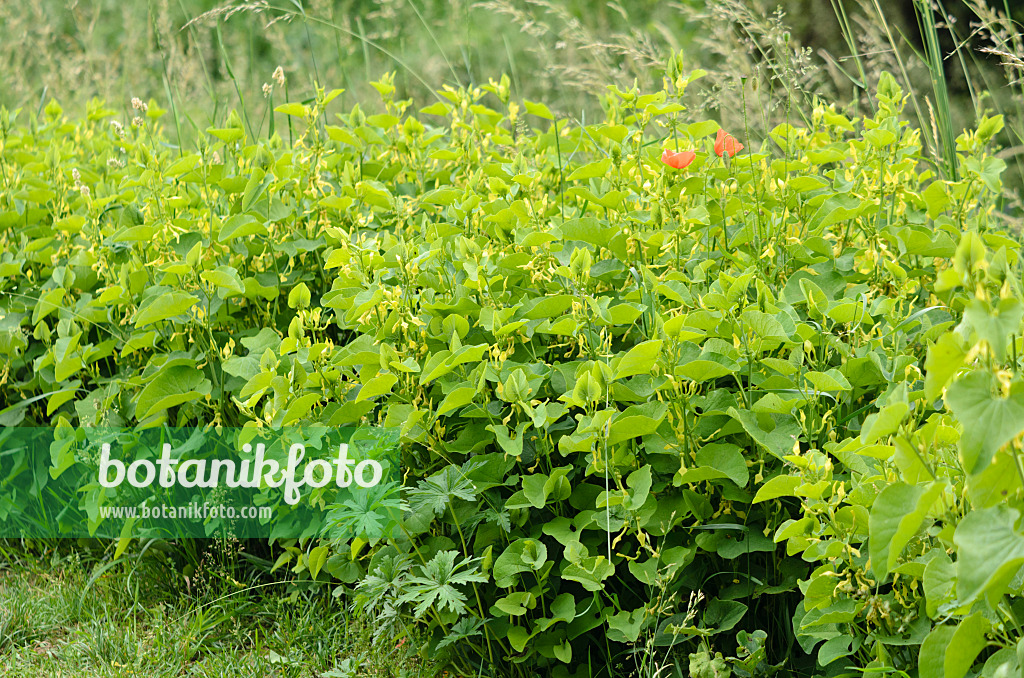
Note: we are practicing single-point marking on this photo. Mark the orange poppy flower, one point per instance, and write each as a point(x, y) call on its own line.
point(677, 159)
point(726, 143)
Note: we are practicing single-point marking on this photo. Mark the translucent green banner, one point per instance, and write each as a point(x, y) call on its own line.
point(199, 482)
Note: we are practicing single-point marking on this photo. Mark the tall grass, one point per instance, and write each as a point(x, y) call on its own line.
point(196, 611)
point(784, 79)
point(206, 55)
point(933, 59)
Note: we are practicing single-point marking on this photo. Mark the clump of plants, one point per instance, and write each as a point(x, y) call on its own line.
point(668, 395)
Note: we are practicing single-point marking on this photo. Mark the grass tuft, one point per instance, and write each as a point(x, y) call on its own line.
point(141, 619)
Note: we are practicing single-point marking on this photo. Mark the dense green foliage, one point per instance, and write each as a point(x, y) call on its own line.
point(723, 416)
point(66, 610)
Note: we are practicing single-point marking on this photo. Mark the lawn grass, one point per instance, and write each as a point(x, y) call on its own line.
point(57, 618)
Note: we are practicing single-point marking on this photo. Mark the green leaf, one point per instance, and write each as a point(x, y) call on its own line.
point(437, 108)
point(511, 445)
point(723, 615)
point(383, 120)
point(702, 128)
point(377, 386)
point(639, 360)
point(990, 551)
point(838, 207)
point(766, 327)
point(879, 137)
point(255, 188)
point(816, 300)
point(522, 555)
point(989, 127)
point(171, 386)
point(299, 408)
point(804, 183)
point(625, 626)
point(518, 637)
point(997, 325)
point(228, 135)
point(299, 296)
point(588, 230)
point(883, 423)
point(988, 170)
point(637, 420)
point(254, 289)
point(966, 644)
point(168, 305)
point(989, 421)
point(592, 170)
point(833, 380)
point(997, 482)
point(442, 196)
point(47, 303)
point(834, 648)
point(316, 560)
point(457, 398)
point(945, 357)
point(538, 109)
point(932, 661)
point(71, 224)
point(294, 109)
point(344, 136)
point(547, 307)
point(141, 233)
point(938, 582)
point(777, 433)
point(614, 132)
point(896, 516)
point(935, 198)
point(726, 458)
point(535, 489)
point(706, 370)
point(514, 604)
point(590, 572)
point(241, 225)
point(182, 165)
point(639, 482)
point(779, 486)
point(224, 277)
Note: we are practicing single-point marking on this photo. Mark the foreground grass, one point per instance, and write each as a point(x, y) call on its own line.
point(58, 619)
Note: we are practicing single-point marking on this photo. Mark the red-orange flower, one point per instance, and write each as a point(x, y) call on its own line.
point(726, 143)
point(677, 159)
